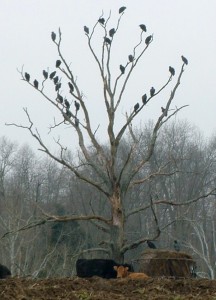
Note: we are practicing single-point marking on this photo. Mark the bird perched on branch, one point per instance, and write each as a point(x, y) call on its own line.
point(185, 61)
point(71, 87)
point(172, 70)
point(58, 63)
point(67, 104)
point(86, 29)
point(59, 98)
point(27, 76)
point(164, 111)
point(144, 99)
point(55, 80)
point(52, 74)
point(101, 20)
point(122, 69)
point(151, 245)
point(136, 107)
point(112, 32)
point(131, 58)
point(53, 36)
point(107, 40)
point(143, 27)
point(77, 105)
point(35, 84)
point(45, 74)
point(176, 246)
point(148, 39)
point(152, 91)
point(57, 87)
point(122, 9)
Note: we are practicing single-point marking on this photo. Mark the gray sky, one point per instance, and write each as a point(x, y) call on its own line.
point(180, 27)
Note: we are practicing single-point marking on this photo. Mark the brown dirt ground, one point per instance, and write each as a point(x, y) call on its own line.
point(97, 288)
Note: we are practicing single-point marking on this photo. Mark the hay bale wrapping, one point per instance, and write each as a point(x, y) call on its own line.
point(156, 263)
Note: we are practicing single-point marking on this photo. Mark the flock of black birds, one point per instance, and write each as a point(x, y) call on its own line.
point(107, 40)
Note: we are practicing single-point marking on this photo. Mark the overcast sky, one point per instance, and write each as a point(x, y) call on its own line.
point(185, 27)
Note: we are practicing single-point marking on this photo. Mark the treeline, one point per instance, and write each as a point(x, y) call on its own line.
point(32, 185)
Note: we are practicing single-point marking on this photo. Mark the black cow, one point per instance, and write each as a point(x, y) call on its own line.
point(4, 272)
point(98, 267)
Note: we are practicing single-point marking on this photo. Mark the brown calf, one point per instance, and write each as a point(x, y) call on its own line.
point(122, 272)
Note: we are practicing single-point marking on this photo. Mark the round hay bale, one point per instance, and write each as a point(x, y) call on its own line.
point(157, 263)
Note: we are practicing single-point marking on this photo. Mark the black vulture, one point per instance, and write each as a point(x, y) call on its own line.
point(35, 84)
point(144, 99)
point(77, 105)
point(121, 9)
point(68, 113)
point(45, 74)
point(27, 76)
point(101, 20)
point(86, 29)
point(67, 104)
point(56, 79)
point(143, 27)
point(151, 245)
point(52, 74)
point(131, 58)
point(57, 87)
point(164, 111)
point(152, 91)
point(59, 98)
point(112, 32)
point(58, 62)
point(172, 70)
point(53, 36)
point(122, 69)
point(71, 87)
point(148, 39)
point(185, 61)
point(176, 246)
point(136, 107)
point(107, 40)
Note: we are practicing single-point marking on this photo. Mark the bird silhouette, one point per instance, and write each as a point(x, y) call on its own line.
point(164, 111)
point(172, 70)
point(53, 36)
point(45, 74)
point(101, 20)
point(71, 87)
point(151, 245)
point(122, 69)
point(107, 40)
point(67, 104)
point(59, 98)
point(143, 27)
point(176, 246)
point(121, 9)
point(148, 39)
point(35, 84)
point(152, 91)
point(131, 58)
point(68, 113)
point(185, 61)
point(52, 74)
point(136, 107)
point(58, 63)
point(77, 105)
point(56, 79)
point(144, 99)
point(27, 76)
point(57, 87)
point(86, 29)
point(112, 32)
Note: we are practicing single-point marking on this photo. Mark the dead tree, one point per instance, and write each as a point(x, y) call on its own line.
point(113, 182)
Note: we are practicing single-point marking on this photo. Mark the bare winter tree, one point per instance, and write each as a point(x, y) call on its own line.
point(102, 169)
